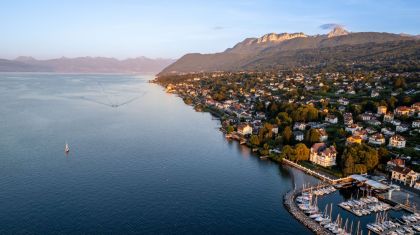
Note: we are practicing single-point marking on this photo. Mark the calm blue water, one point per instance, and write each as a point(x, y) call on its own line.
point(151, 165)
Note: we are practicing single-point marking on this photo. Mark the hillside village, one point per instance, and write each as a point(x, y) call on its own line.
point(338, 123)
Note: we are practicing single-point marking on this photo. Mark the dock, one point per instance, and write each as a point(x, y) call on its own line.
point(289, 202)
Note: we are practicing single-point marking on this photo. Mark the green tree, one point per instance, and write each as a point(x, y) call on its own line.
point(254, 140)
point(312, 136)
point(287, 134)
point(301, 152)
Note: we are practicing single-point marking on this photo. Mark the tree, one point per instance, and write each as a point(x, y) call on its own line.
point(288, 152)
point(348, 167)
point(313, 136)
point(287, 134)
point(254, 140)
point(229, 129)
point(359, 158)
point(301, 152)
point(399, 82)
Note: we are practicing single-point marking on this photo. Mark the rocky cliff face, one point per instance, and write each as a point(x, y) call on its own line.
point(337, 31)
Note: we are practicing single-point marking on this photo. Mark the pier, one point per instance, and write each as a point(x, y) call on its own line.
point(289, 202)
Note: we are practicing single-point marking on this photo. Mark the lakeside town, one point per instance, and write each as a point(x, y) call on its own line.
point(358, 129)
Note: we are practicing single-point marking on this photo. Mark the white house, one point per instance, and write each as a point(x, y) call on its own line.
point(322, 155)
point(377, 139)
point(416, 124)
point(331, 119)
point(298, 135)
point(397, 141)
point(405, 175)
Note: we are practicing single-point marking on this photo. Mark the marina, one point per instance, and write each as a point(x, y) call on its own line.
point(365, 206)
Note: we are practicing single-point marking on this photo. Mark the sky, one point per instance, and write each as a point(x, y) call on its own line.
point(169, 29)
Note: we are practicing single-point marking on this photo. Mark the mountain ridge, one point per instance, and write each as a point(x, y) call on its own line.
point(289, 50)
point(86, 64)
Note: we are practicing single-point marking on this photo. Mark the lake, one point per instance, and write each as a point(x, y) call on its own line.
point(140, 162)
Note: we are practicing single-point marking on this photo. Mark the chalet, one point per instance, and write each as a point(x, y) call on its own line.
point(331, 119)
point(405, 175)
point(377, 139)
point(397, 141)
point(244, 129)
point(382, 110)
point(298, 135)
point(322, 155)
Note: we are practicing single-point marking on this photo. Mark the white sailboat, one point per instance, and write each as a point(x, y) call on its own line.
point(66, 148)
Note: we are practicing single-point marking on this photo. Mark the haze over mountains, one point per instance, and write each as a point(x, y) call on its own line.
point(85, 65)
point(284, 51)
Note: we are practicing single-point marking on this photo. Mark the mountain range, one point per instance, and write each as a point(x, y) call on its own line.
point(85, 65)
point(290, 50)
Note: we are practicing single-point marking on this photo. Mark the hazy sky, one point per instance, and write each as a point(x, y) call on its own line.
point(158, 28)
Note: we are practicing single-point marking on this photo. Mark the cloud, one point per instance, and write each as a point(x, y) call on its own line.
point(330, 26)
point(218, 28)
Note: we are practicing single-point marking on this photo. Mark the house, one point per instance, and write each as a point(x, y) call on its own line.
point(275, 129)
point(374, 94)
point(405, 175)
point(377, 139)
point(298, 135)
point(348, 119)
point(352, 128)
point(416, 124)
point(416, 106)
point(403, 111)
point(381, 110)
point(244, 129)
point(354, 140)
point(374, 122)
point(322, 155)
point(331, 119)
point(389, 117)
point(323, 136)
point(417, 185)
point(397, 141)
point(366, 116)
point(387, 131)
point(260, 115)
point(299, 126)
point(343, 101)
point(401, 128)
point(362, 133)
point(395, 162)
